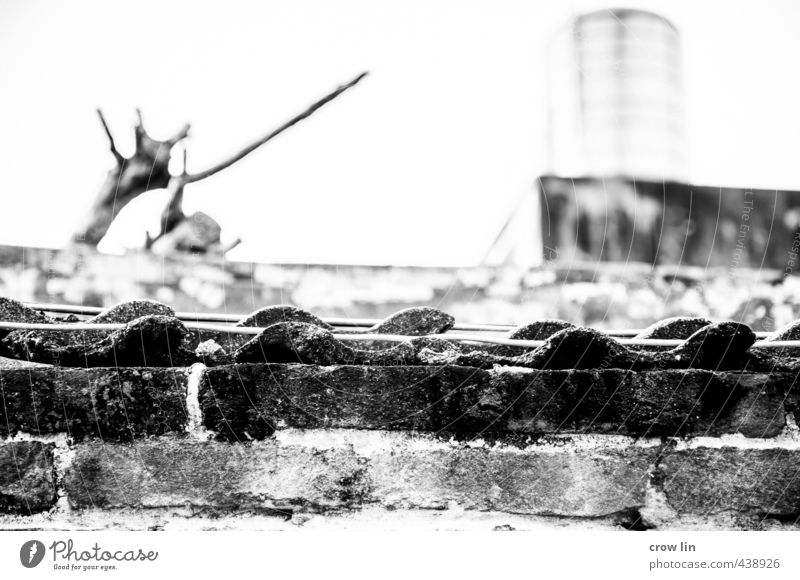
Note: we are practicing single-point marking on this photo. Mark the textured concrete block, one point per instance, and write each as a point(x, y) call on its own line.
point(708, 481)
point(27, 480)
point(252, 400)
point(180, 472)
point(111, 403)
point(698, 402)
point(589, 483)
point(384, 470)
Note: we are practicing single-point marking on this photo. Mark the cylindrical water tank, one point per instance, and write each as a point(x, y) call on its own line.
point(616, 102)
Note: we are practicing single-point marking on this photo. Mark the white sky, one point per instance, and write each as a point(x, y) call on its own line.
point(420, 164)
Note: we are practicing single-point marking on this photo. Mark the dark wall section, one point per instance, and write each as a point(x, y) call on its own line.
point(591, 219)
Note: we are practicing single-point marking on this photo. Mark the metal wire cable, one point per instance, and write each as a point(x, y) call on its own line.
point(481, 338)
point(341, 322)
point(222, 317)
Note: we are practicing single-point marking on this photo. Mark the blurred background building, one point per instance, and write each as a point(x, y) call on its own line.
point(616, 188)
point(615, 110)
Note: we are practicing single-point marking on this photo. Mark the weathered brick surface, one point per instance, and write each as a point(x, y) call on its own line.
point(408, 474)
point(707, 481)
point(27, 480)
point(561, 483)
point(110, 403)
point(251, 400)
point(179, 472)
point(696, 402)
point(658, 403)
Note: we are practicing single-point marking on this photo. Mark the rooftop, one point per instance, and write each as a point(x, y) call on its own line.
point(133, 413)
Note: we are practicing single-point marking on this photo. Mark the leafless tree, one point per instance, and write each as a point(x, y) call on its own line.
point(148, 169)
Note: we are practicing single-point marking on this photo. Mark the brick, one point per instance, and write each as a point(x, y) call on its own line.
point(708, 481)
point(409, 472)
point(27, 477)
point(658, 403)
point(158, 473)
point(697, 402)
point(252, 400)
point(586, 484)
point(111, 403)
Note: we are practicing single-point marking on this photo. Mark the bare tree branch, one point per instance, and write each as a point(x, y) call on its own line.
point(139, 130)
point(232, 245)
point(253, 146)
point(184, 171)
point(182, 134)
point(117, 155)
point(173, 211)
point(148, 168)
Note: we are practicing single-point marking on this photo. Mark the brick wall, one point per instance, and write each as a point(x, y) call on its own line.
point(580, 431)
point(277, 446)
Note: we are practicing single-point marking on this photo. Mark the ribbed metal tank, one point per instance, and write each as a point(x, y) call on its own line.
point(615, 97)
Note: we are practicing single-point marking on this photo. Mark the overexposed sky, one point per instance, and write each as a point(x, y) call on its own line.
point(419, 164)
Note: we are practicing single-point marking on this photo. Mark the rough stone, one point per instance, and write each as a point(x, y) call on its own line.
point(720, 346)
point(212, 354)
point(131, 310)
point(27, 477)
point(417, 321)
point(15, 311)
point(150, 340)
point(706, 481)
point(655, 404)
point(570, 348)
point(198, 233)
point(571, 483)
point(110, 403)
point(281, 313)
point(539, 330)
point(699, 402)
point(306, 343)
point(789, 332)
point(410, 473)
point(717, 347)
point(250, 401)
point(678, 327)
point(177, 472)
point(578, 348)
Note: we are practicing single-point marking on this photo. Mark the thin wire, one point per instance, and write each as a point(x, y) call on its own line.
point(118, 326)
point(252, 330)
point(221, 317)
point(342, 322)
